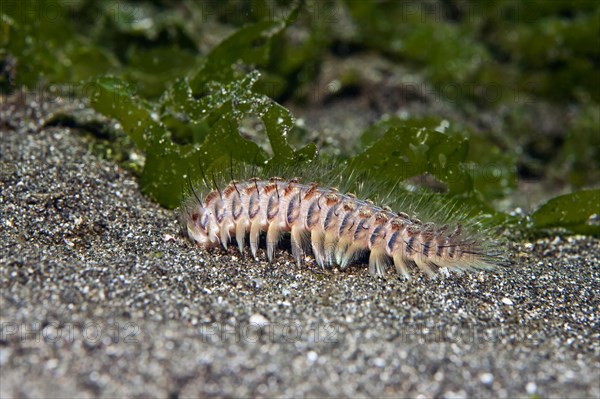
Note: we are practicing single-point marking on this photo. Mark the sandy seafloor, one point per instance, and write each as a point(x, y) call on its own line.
point(102, 297)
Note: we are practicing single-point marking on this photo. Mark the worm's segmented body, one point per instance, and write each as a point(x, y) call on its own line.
point(337, 227)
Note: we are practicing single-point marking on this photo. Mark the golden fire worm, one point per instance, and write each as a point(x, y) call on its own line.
point(337, 228)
